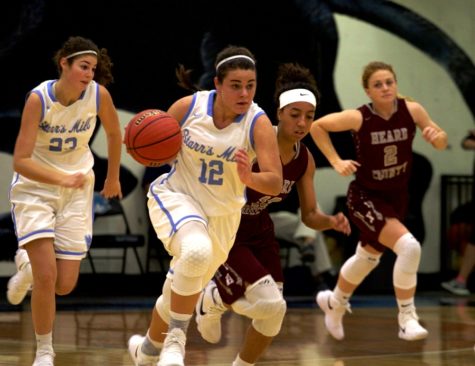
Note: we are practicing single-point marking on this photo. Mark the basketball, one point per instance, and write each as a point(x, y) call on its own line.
point(153, 137)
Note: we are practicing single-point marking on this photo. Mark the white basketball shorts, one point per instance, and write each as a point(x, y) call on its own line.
point(49, 211)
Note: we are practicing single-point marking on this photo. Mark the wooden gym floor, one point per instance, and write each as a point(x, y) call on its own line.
point(95, 332)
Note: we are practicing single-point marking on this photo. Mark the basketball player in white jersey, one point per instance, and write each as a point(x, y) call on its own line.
point(52, 189)
point(196, 207)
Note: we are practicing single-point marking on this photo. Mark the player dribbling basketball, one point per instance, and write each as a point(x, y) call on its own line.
point(196, 207)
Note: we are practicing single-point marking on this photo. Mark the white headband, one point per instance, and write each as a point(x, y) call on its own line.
point(81, 53)
point(297, 95)
point(232, 58)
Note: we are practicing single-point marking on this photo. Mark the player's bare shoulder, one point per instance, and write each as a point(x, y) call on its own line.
point(180, 108)
point(416, 110)
point(353, 118)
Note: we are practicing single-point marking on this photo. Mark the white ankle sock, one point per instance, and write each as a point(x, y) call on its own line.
point(342, 297)
point(150, 347)
point(44, 341)
point(405, 305)
point(178, 320)
point(156, 344)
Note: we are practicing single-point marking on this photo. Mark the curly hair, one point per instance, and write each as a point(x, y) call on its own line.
point(103, 72)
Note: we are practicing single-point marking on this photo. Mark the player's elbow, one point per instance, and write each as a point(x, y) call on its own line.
point(20, 164)
point(274, 190)
point(307, 220)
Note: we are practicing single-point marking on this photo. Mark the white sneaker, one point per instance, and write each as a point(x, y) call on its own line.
point(209, 310)
point(20, 283)
point(334, 312)
point(409, 327)
point(135, 351)
point(173, 352)
point(44, 357)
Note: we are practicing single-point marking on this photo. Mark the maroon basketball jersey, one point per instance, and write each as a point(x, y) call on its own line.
point(384, 148)
point(254, 215)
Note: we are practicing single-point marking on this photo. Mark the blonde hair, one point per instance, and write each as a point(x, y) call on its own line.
point(371, 68)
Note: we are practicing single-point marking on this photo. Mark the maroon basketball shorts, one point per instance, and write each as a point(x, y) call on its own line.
point(246, 264)
point(369, 209)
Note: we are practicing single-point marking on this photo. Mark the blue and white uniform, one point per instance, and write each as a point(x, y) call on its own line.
point(203, 184)
point(46, 210)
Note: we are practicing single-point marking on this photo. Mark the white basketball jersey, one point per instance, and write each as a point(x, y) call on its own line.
point(205, 168)
point(64, 131)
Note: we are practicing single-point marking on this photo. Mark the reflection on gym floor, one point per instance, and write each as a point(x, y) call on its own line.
point(97, 335)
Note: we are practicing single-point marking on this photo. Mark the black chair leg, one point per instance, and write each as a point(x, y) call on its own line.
point(138, 260)
point(93, 268)
point(124, 260)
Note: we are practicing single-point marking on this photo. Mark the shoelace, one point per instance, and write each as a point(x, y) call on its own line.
point(348, 307)
point(410, 314)
point(216, 309)
point(174, 339)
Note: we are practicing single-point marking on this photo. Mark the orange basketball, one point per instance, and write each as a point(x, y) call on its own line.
point(153, 137)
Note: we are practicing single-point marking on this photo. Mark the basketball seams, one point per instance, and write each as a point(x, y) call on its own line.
point(135, 147)
point(143, 156)
point(164, 138)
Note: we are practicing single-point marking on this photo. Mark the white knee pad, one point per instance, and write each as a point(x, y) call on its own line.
point(195, 254)
point(261, 299)
point(162, 305)
point(408, 252)
point(357, 267)
point(194, 246)
point(270, 327)
point(263, 302)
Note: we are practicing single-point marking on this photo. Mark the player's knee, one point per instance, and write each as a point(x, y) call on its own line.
point(408, 252)
point(261, 300)
point(65, 284)
point(195, 256)
point(186, 286)
point(271, 326)
point(64, 289)
point(162, 305)
point(359, 265)
point(163, 309)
